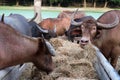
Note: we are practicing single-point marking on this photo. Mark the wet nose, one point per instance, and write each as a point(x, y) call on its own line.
point(84, 41)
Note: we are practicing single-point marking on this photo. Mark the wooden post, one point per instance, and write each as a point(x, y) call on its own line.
point(37, 9)
point(94, 3)
point(85, 4)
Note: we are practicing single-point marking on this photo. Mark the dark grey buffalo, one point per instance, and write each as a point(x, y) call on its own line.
point(19, 23)
point(103, 33)
point(29, 28)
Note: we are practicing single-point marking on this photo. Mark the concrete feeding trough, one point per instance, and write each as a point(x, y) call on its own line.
point(104, 69)
point(12, 73)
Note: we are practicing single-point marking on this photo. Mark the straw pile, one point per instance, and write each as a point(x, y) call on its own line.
point(71, 63)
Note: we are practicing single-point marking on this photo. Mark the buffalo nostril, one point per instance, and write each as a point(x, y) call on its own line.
point(82, 41)
point(78, 42)
point(86, 41)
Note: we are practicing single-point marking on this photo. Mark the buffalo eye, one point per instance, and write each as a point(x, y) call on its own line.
point(94, 28)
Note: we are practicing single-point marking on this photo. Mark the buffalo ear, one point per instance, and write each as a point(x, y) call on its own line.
point(2, 19)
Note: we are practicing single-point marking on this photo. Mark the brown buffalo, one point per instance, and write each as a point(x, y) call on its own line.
point(16, 48)
point(103, 33)
point(68, 13)
point(61, 23)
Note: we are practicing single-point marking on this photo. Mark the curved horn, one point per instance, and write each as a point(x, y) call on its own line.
point(109, 26)
point(74, 22)
point(50, 48)
point(43, 30)
point(33, 17)
point(72, 16)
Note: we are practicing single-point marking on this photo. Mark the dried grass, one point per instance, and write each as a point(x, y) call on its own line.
point(71, 62)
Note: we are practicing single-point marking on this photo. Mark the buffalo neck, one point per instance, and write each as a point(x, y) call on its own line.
point(13, 53)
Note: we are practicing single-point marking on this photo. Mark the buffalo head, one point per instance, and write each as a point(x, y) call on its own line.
point(43, 57)
point(90, 29)
point(37, 31)
point(47, 33)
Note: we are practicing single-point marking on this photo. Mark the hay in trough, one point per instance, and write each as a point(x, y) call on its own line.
point(71, 62)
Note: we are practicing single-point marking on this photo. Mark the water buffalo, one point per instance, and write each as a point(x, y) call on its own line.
point(38, 31)
point(19, 23)
point(103, 33)
point(16, 48)
point(68, 13)
point(62, 22)
point(29, 28)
